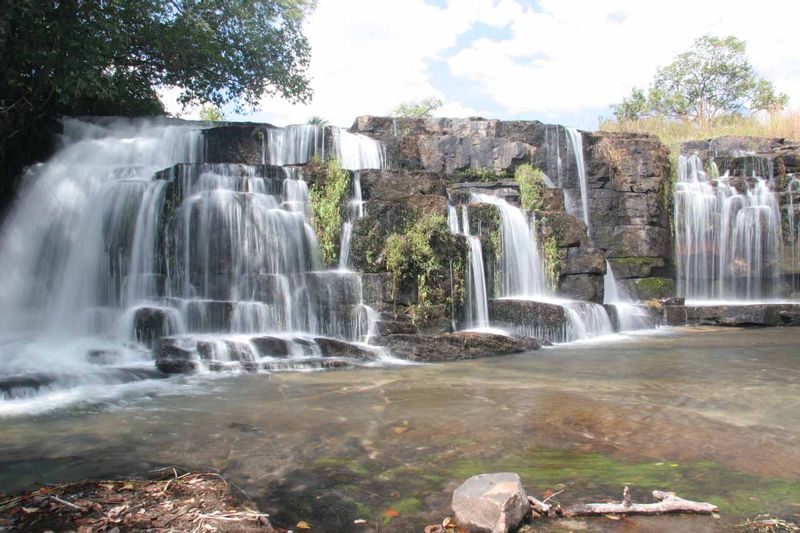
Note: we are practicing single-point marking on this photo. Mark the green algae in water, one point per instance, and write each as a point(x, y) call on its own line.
point(592, 475)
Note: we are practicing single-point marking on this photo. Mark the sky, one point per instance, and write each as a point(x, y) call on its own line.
point(558, 61)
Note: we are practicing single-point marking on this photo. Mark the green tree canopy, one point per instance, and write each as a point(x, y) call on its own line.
point(211, 113)
point(417, 109)
point(713, 78)
point(108, 57)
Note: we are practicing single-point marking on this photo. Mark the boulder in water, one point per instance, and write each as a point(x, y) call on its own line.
point(176, 355)
point(151, 323)
point(490, 503)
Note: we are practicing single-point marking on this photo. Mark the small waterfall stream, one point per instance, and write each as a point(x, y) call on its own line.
point(576, 144)
point(522, 277)
point(793, 230)
point(476, 312)
point(630, 317)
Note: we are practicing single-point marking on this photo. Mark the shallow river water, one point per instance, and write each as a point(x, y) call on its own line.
point(712, 414)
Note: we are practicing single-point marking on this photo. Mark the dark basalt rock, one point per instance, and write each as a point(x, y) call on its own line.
point(535, 318)
point(644, 289)
point(175, 355)
point(270, 346)
point(151, 323)
point(587, 287)
point(744, 315)
point(454, 346)
point(339, 348)
point(236, 143)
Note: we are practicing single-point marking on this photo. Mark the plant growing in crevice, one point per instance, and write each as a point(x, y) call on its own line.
point(531, 183)
point(327, 198)
point(483, 174)
point(551, 260)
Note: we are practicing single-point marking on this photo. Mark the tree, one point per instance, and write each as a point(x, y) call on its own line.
point(417, 109)
point(211, 113)
point(713, 78)
point(109, 57)
point(318, 121)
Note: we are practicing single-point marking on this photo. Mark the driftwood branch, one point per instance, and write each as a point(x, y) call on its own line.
point(668, 502)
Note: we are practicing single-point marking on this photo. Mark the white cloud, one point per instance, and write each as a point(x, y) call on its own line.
point(562, 59)
point(370, 55)
point(572, 54)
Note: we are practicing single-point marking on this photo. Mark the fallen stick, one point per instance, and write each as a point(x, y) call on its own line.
point(668, 503)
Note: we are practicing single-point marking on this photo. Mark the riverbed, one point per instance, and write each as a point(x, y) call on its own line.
point(712, 414)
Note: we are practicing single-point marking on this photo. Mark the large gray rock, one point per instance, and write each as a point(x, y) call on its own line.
point(744, 315)
point(454, 346)
point(587, 287)
point(490, 503)
point(653, 288)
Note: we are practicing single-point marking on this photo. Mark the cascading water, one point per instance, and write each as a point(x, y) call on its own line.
point(559, 172)
point(793, 230)
point(355, 211)
point(476, 312)
point(630, 317)
point(576, 143)
point(727, 242)
point(522, 277)
point(521, 268)
point(298, 143)
point(109, 256)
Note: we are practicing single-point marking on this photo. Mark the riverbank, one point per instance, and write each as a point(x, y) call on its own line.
point(168, 500)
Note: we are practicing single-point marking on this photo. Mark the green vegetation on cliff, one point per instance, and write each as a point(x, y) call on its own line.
point(327, 198)
point(428, 254)
point(531, 182)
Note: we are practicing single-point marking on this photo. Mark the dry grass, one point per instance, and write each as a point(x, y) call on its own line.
point(781, 125)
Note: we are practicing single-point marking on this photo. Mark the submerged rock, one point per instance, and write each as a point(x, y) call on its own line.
point(490, 503)
point(455, 346)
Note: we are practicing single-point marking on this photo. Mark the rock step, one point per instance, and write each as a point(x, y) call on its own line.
point(261, 352)
point(739, 315)
point(454, 346)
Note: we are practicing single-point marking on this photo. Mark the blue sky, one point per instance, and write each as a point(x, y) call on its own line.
point(563, 61)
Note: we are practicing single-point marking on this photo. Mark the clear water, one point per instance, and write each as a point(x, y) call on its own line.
point(711, 414)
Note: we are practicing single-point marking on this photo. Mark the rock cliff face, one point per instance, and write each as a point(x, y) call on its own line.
point(627, 178)
point(414, 269)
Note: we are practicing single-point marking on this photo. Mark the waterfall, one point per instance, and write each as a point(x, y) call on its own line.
point(125, 242)
point(793, 230)
point(521, 269)
point(355, 211)
point(294, 144)
point(727, 241)
point(630, 317)
point(557, 170)
point(298, 143)
point(476, 311)
point(356, 151)
point(576, 144)
point(477, 304)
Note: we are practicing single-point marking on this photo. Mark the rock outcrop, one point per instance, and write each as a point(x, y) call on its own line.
point(627, 178)
point(455, 346)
